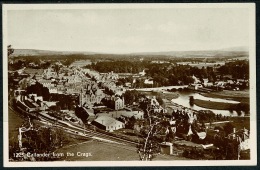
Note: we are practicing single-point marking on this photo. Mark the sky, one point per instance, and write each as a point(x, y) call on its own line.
point(128, 30)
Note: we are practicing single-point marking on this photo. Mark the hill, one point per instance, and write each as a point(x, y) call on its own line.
point(34, 52)
point(198, 54)
point(231, 52)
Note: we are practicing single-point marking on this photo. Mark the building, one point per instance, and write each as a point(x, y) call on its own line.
point(49, 73)
point(46, 83)
point(90, 113)
point(119, 103)
point(138, 114)
point(148, 81)
point(142, 73)
point(107, 123)
point(91, 95)
point(166, 148)
point(196, 80)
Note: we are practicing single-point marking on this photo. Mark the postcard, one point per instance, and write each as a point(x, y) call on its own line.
point(129, 85)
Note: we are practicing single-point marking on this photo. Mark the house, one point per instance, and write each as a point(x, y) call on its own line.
point(142, 73)
point(148, 81)
point(208, 84)
point(46, 83)
point(107, 123)
point(119, 103)
point(91, 95)
point(27, 104)
point(53, 90)
point(49, 73)
point(128, 84)
point(196, 80)
point(32, 64)
point(156, 106)
point(35, 97)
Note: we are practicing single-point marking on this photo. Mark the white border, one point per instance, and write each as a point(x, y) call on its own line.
point(252, 56)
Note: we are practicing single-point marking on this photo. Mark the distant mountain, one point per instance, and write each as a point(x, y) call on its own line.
point(198, 54)
point(34, 52)
point(227, 52)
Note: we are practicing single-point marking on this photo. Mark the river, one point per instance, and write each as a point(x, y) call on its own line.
point(184, 100)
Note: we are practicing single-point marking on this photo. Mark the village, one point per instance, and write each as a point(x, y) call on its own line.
point(89, 101)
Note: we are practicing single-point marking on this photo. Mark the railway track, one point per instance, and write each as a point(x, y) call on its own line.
point(77, 130)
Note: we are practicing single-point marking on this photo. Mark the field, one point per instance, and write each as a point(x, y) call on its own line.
point(101, 151)
point(14, 122)
point(241, 122)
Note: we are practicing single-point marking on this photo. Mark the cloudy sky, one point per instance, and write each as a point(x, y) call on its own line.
point(128, 30)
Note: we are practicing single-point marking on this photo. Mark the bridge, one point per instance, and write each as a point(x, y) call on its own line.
point(161, 88)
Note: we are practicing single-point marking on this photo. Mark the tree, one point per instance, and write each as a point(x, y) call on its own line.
point(10, 50)
point(131, 96)
point(149, 147)
point(228, 128)
point(40, 90)
point(159, 99)
point(131, 122)
point(36, 139)
point(169, 135)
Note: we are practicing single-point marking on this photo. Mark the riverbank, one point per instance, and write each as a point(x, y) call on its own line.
point(213, 105)
point(240, 96)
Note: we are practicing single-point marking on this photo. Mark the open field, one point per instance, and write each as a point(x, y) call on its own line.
point(241, 96)
point(14, 122)
point(213, 105)
point(241, 122)
point(101, 151)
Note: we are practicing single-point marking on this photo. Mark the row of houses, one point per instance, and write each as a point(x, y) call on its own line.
point(32, 102)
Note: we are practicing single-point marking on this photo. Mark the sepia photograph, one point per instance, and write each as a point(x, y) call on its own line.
point(129, 84)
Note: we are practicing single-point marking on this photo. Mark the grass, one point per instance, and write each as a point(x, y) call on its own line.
point(241, 122)
point(14, 122)
point(101, 151)
point(240, 96)
point(213, 105)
